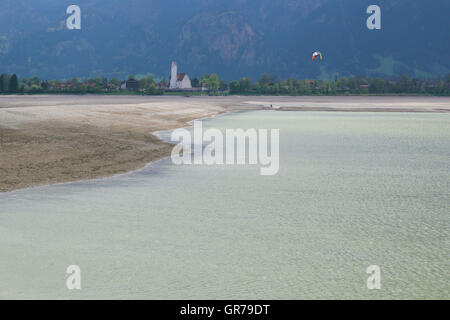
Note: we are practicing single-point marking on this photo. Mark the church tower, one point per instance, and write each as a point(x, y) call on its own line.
point(173, 75)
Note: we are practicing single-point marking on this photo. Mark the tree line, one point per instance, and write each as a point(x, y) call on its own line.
point(10, 84)
point(267, 84)
point(271, 85)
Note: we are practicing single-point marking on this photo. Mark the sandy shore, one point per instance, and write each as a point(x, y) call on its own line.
point(51, 139)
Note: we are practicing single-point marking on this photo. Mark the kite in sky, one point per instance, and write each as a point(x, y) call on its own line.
point(317, 54)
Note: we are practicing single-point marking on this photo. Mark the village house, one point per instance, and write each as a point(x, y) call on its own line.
point(130, 84)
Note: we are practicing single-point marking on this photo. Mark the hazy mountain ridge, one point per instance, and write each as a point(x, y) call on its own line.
point(232, 38)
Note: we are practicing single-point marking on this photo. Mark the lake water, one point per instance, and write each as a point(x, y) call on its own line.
point(353, 190)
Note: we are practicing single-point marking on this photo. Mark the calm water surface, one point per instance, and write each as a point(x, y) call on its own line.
point(353, 190)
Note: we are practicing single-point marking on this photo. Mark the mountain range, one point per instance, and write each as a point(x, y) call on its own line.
point(233, 38)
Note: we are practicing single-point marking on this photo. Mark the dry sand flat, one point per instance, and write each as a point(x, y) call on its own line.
point(50, 139)
point(357, 103)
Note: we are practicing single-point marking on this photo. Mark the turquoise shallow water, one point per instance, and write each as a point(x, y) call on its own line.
point(353, 190)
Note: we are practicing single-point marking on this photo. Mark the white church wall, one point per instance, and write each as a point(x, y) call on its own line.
point(185, 83)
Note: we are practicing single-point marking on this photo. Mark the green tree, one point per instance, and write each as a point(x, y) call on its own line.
point(377, 86)
point(75, 81)
point(245, 84)
point(276, 88)
point(305, 87)
point(13, 84)
point(267, 79)
point(235, 87)
point(263, 88)
point(44, 84)
point(195, 83)
point(164, 82)
point(211, 81)
point(35, 88)
point(35, 80)
point(342, 84)
point(153, 90)
point(404, 84)
point(3, 83)
point(146, 82)
point(223, 85)
point(353, 84)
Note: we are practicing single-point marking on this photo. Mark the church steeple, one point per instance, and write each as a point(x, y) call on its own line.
point(173, 75)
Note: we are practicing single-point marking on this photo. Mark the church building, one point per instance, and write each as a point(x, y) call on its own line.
point(179, 80)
